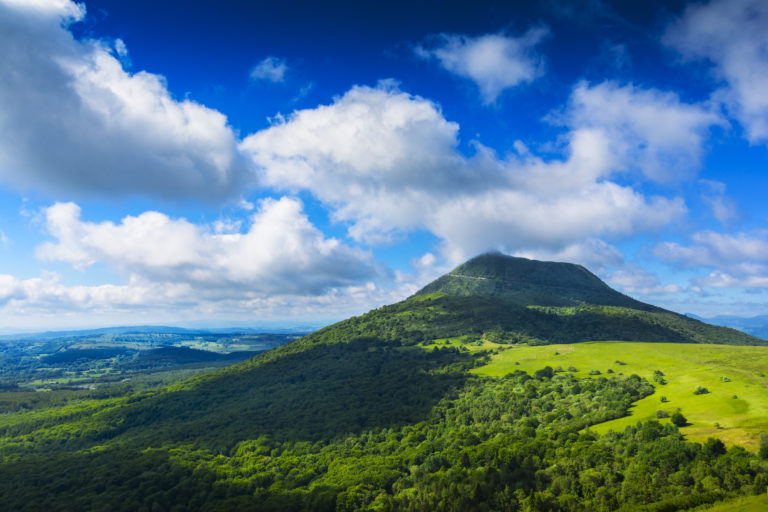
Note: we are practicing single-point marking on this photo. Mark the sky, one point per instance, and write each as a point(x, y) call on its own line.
point(295, 163)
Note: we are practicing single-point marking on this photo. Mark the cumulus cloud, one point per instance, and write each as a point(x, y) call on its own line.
point(270, 69)
point(713, 195)
point(648, 130)
point(48, 301)
point(281, 253)
point(733, 35)
point(388, 162)
point(494, 62)
point(73, 119)
point(634, 280)
point(712, 249)
point(737, 260)
point(593, 253)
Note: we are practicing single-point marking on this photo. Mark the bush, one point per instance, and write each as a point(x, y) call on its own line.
point(662, 414)
point(678, 420)
point(572, 369)
point(700, 390)
point(713, 447)
point(664, 399)
point(594, 372)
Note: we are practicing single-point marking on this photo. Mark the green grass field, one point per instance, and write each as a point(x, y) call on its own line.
point(736, 377)
point(748, 504)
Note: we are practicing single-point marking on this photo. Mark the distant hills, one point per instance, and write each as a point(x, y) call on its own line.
point(754, 325)
point(145, 329)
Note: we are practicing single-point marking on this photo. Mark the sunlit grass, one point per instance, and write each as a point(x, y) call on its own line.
point(748, 504)
point(735, 409)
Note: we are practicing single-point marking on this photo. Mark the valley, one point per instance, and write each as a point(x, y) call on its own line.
point(495, 393)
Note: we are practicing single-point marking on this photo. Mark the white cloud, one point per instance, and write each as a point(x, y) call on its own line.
point(634, 280)
point(593, 253)
point(758, 278)
point(72, 119)
point(120, 48)
point(737, 260)
point(712, 249)
point(723, 208)
point(494, 62)
point(647, 130)
point(281, 253)
point(48, 302)
point(270, 69)
point(733, 35)
point(387, 162)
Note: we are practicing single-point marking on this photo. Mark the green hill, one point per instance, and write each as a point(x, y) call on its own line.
point(391, 411)
point(529, 282)
point(511, 300)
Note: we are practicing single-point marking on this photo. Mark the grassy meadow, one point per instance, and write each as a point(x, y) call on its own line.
point(748, 504)
point(734, 410)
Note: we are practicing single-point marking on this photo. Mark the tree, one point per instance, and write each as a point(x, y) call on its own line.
point(764, 445)
point(714, 447)
point(678, 419)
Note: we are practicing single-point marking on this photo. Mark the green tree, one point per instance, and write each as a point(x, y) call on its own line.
point(678, 419)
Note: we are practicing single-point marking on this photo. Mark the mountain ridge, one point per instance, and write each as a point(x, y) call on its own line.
point(516, 300)
point(531, 282)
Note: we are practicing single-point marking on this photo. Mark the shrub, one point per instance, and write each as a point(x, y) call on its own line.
point(664, 399)
point(678, 420)
point(594, 372)
point(713, 447)
point(662, 414)
point(572, 369)
point(700, 390)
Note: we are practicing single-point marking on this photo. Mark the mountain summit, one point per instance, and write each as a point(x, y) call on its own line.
point(505, 299)
point(530, 283)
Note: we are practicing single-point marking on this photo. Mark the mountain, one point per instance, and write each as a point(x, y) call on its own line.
point(529, 282)
point(510, 300)
point(754, 325)
point(371, 414)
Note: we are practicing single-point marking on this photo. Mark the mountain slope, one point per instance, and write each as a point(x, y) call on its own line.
point(529, 282)
point(511, 300)
point(366, 415)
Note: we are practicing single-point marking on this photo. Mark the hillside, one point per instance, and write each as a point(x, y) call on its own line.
point(390, 411)
point(529, 282)
point(512, 300)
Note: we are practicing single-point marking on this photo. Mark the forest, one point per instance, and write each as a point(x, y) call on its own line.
point(456, 401)
point(366, 425)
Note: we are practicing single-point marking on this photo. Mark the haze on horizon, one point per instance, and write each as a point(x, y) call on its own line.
point(168, 163)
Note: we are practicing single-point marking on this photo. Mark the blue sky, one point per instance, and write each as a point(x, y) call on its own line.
point(276, 164)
